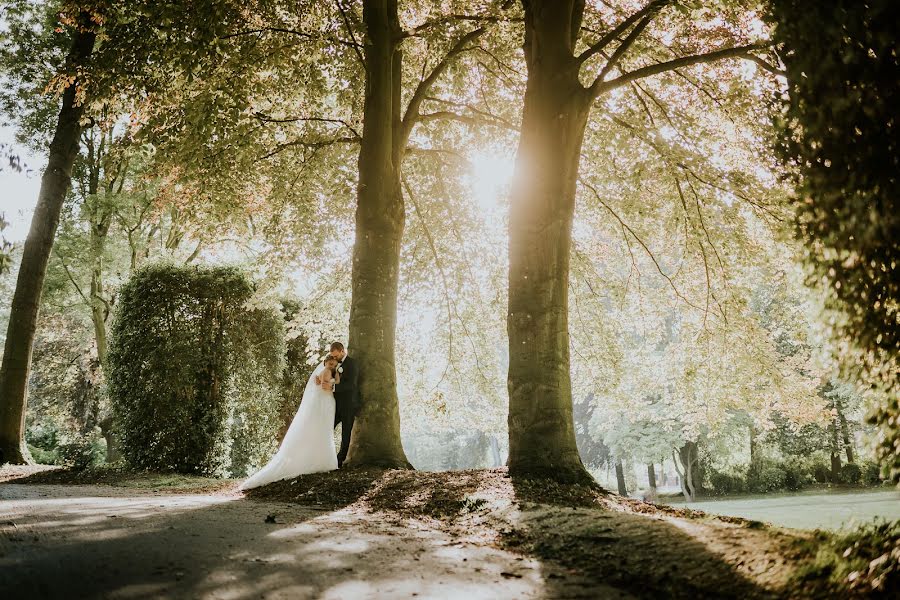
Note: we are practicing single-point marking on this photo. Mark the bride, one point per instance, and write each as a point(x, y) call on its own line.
point(308, 445)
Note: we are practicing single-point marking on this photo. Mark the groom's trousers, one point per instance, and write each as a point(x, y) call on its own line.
point(344, 413)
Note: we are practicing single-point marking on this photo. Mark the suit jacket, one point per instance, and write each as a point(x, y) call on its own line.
point(346, 393)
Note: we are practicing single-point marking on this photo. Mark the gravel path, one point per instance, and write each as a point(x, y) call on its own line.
point(102, 542)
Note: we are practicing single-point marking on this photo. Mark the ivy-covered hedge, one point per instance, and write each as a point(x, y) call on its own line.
point(837, 129)
point(194, 372)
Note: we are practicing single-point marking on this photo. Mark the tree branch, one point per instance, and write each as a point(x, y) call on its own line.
point(297, 32)
point(356, 45)
point(65, 267)
point(457, 17)
point(484, 113)
point(412, 109)
point(267, 119)
point(623, 47)
point(468, 120)
point(607, 39)
point(765, 65)
point(646, 248)
point(601, 87)
point(309, 144)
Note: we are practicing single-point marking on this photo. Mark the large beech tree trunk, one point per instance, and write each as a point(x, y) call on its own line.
point(23, 316)
point(380, 217)
point(556, 109)
point(556, 106)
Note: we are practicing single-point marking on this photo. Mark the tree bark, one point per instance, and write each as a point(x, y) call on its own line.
point(845, 429)
point(55, 183)
point(380, 219)
point(99, 309)
point(835, 452)
point(107, 430)
point(687, 473)
point(620, 478)
point(556, 106)
point(651, 479)
point(754, 445)
point(496, 461)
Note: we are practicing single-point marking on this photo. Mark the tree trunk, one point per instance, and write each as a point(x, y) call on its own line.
point(496, 461)
point(688, 473)
point(36, 253)
point(556, 106)
point(620, 478)
point(107, 430)
point(651, 480)
point(845, 429)
point(99, 310)
point(380, 218)
point(835, 452)
point(754, 445)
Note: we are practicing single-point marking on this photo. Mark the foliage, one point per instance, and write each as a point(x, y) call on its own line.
point(851, 474)
point(236, 135)
point(52, 445)
point(5, 248)
point(837, 129)
point(82, 451)
point(726, 482)
point(871, 473)
point(767, 474)
point(193, 372)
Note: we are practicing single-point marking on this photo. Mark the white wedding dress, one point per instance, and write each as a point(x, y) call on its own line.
point(308, 445)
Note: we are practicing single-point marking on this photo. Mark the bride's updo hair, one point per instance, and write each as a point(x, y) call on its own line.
point(328, 358)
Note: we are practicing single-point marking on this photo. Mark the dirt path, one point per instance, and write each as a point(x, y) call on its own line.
point(104, 542)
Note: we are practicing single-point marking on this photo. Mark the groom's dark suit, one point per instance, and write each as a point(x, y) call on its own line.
point(346, 401)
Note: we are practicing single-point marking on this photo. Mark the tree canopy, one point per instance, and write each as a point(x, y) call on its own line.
point(226, 131)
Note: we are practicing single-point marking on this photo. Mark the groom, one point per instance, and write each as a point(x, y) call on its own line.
point(346, 397)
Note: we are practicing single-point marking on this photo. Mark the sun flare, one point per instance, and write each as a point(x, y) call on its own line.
point(490, 175)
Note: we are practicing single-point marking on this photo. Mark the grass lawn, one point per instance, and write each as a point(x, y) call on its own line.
point(818, 509)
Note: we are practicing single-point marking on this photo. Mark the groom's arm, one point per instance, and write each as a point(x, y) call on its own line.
point(348, 377)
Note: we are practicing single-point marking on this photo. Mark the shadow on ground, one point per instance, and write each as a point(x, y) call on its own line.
point(584, 542)
point(94, 542)
point(473, 534)
point(653, 553)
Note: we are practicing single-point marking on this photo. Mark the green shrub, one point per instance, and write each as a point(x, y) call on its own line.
point(822, 473)
point(45, 439)
point(724, 483)
point(42, 456)
point(82, 450)
point(798, 473)
point(851, 474)
point(193, 372)
point(765, 475)
point(870, 473)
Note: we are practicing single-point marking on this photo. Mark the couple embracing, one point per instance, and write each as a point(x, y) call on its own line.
point(331, 397)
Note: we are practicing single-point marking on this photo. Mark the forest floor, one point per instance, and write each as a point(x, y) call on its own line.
point(401, 534)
